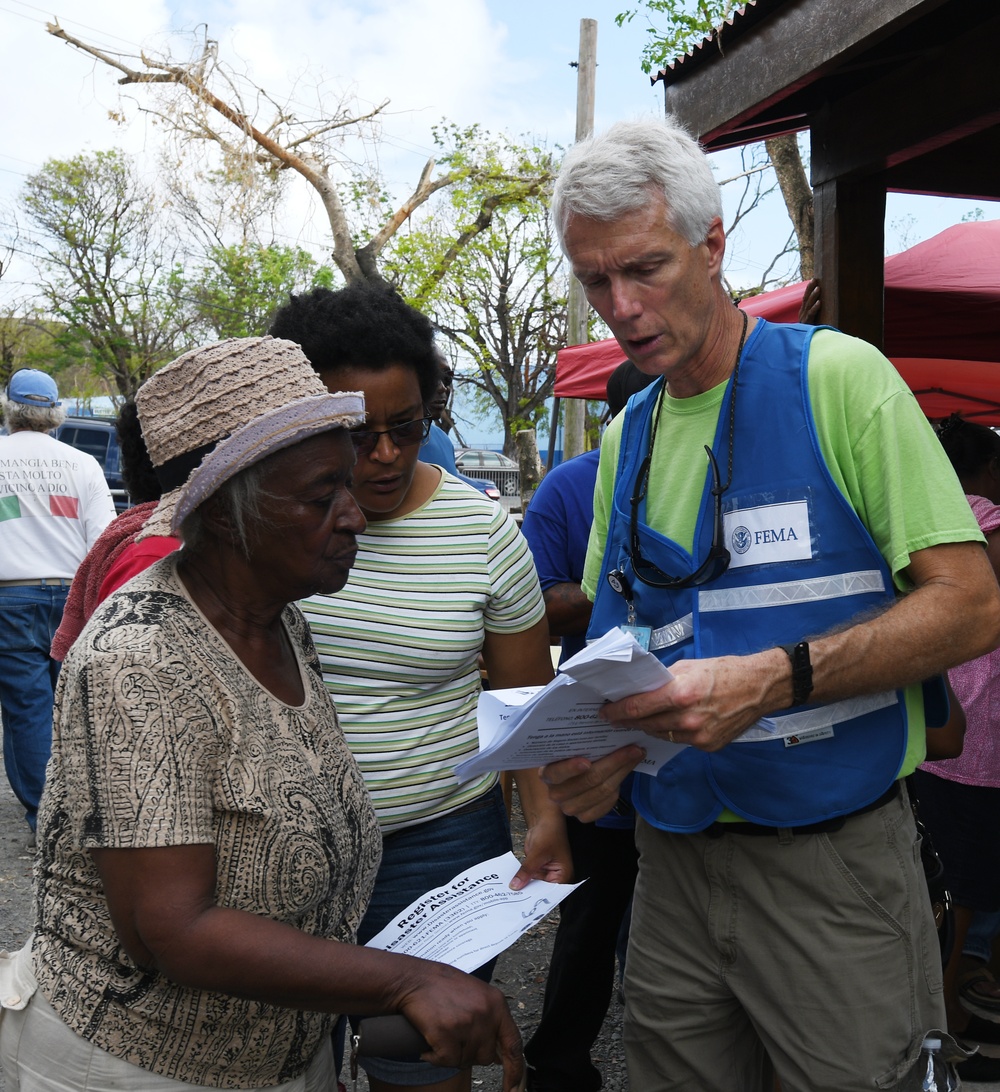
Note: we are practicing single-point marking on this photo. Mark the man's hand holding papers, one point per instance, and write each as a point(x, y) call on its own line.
point(530, 727)
point(538, 726)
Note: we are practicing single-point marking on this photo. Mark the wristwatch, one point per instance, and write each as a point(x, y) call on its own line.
point(802, 672)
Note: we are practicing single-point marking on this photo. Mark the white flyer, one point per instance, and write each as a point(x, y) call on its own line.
point(533, 726)
point(466, 922)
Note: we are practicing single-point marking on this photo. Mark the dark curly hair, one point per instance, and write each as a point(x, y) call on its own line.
point(137, 467)
point(969, 446)
point(361, 326)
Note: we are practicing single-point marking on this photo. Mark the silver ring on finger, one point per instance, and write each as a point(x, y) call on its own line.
point(670, 736)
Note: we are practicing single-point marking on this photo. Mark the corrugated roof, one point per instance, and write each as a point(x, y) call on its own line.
point(742, 19)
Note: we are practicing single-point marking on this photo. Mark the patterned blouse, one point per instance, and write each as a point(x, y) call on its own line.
point(163, 738)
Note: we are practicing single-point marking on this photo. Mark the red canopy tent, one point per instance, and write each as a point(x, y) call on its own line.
point(942, 325)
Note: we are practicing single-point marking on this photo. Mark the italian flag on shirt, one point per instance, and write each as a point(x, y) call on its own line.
point(69, 507)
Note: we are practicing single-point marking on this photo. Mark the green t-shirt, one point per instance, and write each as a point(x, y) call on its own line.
point(877, 443)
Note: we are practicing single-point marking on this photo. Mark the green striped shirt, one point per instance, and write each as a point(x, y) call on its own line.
point(400, 645)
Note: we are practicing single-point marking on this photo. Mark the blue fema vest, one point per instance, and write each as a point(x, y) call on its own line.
point(802, 563)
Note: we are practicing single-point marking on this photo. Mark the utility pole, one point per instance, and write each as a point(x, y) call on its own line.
point(574, 410)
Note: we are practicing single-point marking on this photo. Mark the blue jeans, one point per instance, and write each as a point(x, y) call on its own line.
point(29, 616)
point(416, 859)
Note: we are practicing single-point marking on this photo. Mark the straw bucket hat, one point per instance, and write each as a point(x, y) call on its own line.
point(223, 407)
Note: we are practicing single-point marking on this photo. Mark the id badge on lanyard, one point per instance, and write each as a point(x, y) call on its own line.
point(620, 584)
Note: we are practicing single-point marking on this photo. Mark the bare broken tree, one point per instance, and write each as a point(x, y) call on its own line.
point(287, 142)
point(759, 178)
point(795, 189)
point(13, 326)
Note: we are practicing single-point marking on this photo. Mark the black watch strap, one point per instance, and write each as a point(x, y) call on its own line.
point(802, 672)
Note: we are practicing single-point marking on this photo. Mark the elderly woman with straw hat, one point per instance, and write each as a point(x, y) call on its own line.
point(206, 844)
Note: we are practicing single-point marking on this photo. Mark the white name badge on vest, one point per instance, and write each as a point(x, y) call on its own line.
point(768, 534)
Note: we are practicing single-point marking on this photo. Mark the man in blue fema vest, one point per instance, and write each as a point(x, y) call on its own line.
point(775, 519)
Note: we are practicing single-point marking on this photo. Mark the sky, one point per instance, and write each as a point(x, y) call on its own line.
point(502, 63)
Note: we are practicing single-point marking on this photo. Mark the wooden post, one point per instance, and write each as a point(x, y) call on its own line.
point(849, 209)
point(574, 411)
point(850, 240)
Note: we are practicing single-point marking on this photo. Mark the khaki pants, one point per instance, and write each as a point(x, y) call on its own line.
point(815, 953)
point(39, 1053)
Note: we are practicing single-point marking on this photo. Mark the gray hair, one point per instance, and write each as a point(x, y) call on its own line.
point(239, 499)
point(18, 416)
point(611, 174)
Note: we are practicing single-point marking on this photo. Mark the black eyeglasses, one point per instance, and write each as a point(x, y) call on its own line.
point(718, 556)
point(406, 435)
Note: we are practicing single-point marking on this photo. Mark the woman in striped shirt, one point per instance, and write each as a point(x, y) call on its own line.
point(442, 575)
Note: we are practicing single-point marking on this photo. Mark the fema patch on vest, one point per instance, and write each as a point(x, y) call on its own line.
point(768, 534)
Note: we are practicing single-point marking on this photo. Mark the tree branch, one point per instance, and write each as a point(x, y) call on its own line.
point(317, 176)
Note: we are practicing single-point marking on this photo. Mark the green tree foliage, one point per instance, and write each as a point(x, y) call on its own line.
point(483, 263)
point(679, 26)
point(237, 289)
point(105, 263)
point(22, 340)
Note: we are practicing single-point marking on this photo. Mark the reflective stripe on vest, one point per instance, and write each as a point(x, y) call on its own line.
point(792, 591)
point(820, 716)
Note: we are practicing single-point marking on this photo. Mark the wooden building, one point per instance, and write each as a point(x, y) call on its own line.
point(899, 95)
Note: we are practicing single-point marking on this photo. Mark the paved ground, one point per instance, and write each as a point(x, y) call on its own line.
point(15, 874)
point(15, 870)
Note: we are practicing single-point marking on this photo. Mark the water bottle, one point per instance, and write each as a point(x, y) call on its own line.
point(938, 1075)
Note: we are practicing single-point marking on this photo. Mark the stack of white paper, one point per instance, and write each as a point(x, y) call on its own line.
point(525, 728)
point(529, 727)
